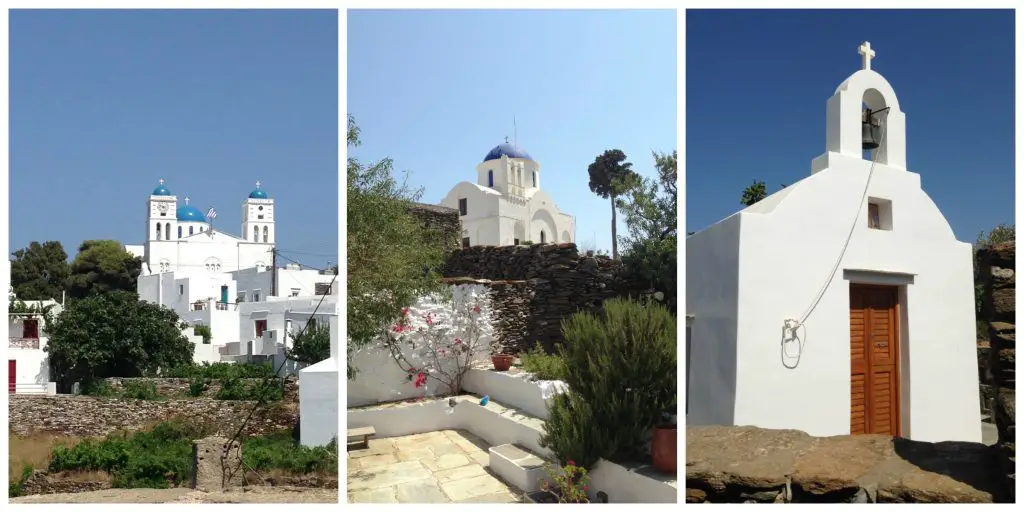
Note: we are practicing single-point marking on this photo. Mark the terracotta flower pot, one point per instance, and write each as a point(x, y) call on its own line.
point(663, 448)
point(502, 362)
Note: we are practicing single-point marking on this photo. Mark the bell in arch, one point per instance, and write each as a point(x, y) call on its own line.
point(870, 131)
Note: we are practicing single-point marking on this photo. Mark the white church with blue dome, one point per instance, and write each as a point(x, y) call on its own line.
point(506, 206)
point(180, 239)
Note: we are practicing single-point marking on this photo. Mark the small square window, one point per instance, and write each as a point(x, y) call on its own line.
point(879, 214)
point(874, 222)
point(181, 289)
point(465, 242)
point(463, 207)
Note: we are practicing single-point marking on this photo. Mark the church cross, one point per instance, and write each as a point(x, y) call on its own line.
point(257, 184)
point(867, 53)
point(161, 181)
point(186, 199)
point(506, 139)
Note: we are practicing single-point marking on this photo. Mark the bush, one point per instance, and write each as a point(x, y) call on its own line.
point(621, 371)
point(97, 388)
point(280, 451)
point(237, 389)
point(197, 386)
point(222, 371)
point(543, 365)
point(139, 390)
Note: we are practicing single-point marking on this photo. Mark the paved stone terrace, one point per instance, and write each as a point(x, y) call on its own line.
point(435, 467)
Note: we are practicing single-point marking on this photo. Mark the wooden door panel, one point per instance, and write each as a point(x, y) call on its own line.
point(874, 360)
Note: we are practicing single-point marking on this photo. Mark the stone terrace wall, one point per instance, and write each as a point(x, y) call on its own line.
point(179, 388)
point(996, 266)
point(512, 300)
point(440, 223)
point(83, 416)
point(753, 465)
point(560, 283)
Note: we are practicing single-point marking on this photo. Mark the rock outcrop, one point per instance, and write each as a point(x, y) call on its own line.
point(996, 267)
point(749, 464)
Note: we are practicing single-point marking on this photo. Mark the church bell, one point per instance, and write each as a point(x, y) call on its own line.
point(870, 131)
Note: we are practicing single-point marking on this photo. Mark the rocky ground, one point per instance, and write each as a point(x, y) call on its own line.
point(183, 495)
point(748, 464)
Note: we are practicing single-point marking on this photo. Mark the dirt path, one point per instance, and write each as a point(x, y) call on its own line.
point(182, 495)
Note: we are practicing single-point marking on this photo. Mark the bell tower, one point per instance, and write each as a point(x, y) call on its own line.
point(864, 114)
point(258, 217)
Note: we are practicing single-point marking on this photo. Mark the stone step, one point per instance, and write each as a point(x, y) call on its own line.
point(517, 466)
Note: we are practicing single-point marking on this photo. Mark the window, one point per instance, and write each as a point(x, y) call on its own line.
point(463, 207)
point(240, 296)
point(190, 228)
point(31, 328)
point(181, 290)
point(879, 214)
point(534, 178)
point(322, 289)
point(266, 236)
point(158, 231)
point(167, 231)
point(465, 242)
point(255, 295)
point(490, 178)
point(261, 326)
point(543, 237)
point(295, 292)
point(515, 241)
point(179, 231)
point(255, 234)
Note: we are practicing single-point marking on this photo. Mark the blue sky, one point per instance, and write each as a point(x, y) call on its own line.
point(436, 90)
point(105, 103)
point(757, 83)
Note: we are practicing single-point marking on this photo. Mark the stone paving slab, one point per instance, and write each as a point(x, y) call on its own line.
point(447, 466)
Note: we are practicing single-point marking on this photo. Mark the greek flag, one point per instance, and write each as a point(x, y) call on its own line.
point(211, 214)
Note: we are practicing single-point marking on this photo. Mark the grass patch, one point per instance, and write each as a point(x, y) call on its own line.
point(544, 366)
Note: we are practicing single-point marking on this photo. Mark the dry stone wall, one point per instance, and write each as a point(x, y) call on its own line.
point(440, 223)
point(179, 388)
point(753, 465)
point(83, 416)
point(996, 266)
point(538, 286)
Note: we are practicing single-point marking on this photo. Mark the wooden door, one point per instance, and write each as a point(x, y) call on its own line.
point(874, 360)
point(12, 375)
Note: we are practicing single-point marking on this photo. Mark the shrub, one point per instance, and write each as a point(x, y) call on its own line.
point(204, 331)
point(237, 389)
point(139, 390)
point(222, 371)
point(280, 451)
point(543, 365)
point(621, 371)
point(97, 387)
point(197, 386)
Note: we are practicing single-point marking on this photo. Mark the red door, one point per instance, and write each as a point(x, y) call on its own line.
point(12, 373)
point(261, 325)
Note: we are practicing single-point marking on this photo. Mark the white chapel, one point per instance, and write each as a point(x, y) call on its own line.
point(506, 206)
point(180, 238)
point(842, 304)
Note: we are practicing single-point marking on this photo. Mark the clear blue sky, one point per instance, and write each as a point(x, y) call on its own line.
point(105, 103)
point(757, 83)
point(436, 90)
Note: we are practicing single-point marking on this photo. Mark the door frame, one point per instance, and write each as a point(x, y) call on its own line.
point(897, 343)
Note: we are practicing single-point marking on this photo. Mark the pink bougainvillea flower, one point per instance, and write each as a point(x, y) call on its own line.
point(476, 308)
point(405, 311)
point(457, 341)
point(571, 463)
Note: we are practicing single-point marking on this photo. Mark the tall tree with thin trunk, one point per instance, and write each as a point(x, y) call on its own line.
point(611, 176)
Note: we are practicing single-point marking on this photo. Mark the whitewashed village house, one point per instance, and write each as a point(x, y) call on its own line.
point(841, 304)
point(28, 366)
point(318, 387)
point(506, 206)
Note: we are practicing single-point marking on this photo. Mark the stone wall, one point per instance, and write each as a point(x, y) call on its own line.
point(542, 284)
point(83, 416)
point(996, 267)
point(512, 300)
point(440, 223)
point(179, 388)
point(753, 465)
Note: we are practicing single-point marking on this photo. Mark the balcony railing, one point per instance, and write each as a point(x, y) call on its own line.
point(17, 342)
point(203, 305)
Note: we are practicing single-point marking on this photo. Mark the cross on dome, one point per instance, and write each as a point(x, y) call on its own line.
point(161, 181)
point(258, 184)
point(866, 53)
point(186, 199)
point(506, 139)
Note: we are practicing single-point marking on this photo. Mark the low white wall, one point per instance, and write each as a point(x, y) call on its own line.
point(625, 486)
point(515, 390)
point(380, 379)
point(32, 366)
point(318, 403)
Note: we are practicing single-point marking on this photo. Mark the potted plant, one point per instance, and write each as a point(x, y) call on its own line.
point(501, 361)
point(663, 442)
point(566, 484)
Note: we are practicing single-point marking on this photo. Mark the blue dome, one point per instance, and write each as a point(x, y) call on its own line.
point(257, 194)
point(508, 150)
point(189, 213)
point(161, 190)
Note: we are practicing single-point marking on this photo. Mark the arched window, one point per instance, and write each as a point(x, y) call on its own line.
point(543, 237)
point(534, 178)
point(179, 231)
point(167, 231)
point(158, 231)
point(490, 178)
point(266, 234)
point(190, 228)
point(255, 233)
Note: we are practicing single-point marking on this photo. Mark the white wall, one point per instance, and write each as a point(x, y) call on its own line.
point(780, 280)
point(318, 395)
point(380, 379)
point(515, 390)
point(712, 287)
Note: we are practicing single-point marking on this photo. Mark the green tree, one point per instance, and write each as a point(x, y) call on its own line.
point(115, 334)
point(311, 345)
point(102, 266)
point(611, 176)
point(390, 253)
point(40, 271)
point(755, 192)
